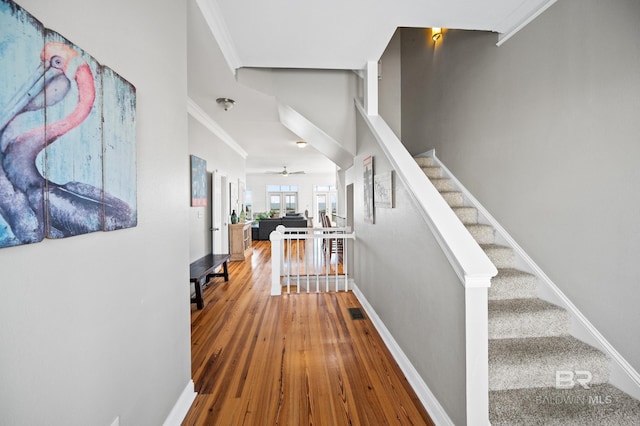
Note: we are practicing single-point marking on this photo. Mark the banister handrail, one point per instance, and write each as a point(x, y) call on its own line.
point(345, 229)
point(470, 263)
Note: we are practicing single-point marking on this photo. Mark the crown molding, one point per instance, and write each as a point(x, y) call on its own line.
point(521, 17)
point(199, 114)
point(213, 15)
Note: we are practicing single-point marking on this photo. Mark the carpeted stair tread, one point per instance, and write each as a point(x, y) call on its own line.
point(513, 284)
point(500, 256)
point(533, 362)
point(453, 198)
point(602, 405)
point(424, 161)
point(467, 215)
point(529, 342)
point(432, 172)
point(517, 318)
point(483, 234)
point(442, 184)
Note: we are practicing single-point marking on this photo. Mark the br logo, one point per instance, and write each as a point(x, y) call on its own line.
point(567, 379)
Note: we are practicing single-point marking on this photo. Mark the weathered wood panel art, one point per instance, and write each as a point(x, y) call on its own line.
point(67, 137)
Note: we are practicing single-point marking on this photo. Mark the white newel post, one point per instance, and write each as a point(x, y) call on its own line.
point(477, 343)
point(276, 261)
point(371, 88)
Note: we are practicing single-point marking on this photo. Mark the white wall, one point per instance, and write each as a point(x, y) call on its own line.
point(221, 158)
point(97, 326)
point(324, 97)
point(544, 131)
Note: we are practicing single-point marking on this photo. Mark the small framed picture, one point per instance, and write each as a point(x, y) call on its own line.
point(198, 182)
point(383, 190)
point(367, 167)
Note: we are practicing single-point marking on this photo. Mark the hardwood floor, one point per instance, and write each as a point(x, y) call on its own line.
point(291, 360)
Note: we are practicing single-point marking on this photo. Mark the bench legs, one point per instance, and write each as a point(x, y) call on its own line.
point(202, 281)
point(199, 299)
point(224, 273)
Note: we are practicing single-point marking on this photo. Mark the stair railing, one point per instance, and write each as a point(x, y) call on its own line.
point(310, 259)
point(470, 263)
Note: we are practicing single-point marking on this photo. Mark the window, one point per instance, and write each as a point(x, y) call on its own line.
point(282, 199)
point(249, 207)
point(282, 188)
point(325, 202)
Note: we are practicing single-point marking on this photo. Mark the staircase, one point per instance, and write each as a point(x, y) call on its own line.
point(538, 372)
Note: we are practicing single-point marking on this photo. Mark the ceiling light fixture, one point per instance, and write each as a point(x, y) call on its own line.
point(301, 144)
point(436, 33)
point(226, 103)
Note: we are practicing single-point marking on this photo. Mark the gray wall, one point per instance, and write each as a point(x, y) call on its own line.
point(220, 157)
point(390, 85)
point(544, 131)
point(97, 326)
point(405, 276)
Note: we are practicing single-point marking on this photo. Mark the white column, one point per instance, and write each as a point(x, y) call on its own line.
point(276, 253)
point(371, 88)
point(477, 342)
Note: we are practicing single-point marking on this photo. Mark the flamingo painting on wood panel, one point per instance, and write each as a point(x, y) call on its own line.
point(67, 137)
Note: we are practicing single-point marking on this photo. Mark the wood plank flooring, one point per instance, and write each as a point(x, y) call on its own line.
point(297, 359)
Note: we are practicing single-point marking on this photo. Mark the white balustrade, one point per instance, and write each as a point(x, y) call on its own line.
point(310, 259)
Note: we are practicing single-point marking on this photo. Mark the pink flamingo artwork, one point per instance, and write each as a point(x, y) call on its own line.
point(32, 204)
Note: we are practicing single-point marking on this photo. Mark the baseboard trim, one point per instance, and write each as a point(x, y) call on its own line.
point(623, 375)
point(429, 401)
point(182, 405)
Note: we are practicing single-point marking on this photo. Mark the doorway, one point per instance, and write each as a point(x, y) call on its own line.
point(219, 213)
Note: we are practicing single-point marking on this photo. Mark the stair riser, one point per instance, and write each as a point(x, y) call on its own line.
point(534, 363)
point(467, 215)
point(454, 199)
point(600, 404)
point(432, 172)
point(501, 257)
point(501, 377)
point(539, 324)
point(443, 184)
point(483, 234)
point(424, 161)
point(513, 288)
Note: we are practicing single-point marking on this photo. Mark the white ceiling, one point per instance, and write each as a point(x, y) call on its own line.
point(225, 35)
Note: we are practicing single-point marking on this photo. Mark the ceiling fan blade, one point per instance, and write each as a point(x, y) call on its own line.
point(284, 172)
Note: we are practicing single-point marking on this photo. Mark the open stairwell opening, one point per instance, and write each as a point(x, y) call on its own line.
point(539, 372)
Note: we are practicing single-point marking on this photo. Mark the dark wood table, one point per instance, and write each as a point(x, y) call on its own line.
point(203, 269)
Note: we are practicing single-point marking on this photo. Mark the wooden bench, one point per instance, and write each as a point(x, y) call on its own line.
point(203, 269)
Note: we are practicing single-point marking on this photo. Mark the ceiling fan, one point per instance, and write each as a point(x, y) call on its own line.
point(284, 172)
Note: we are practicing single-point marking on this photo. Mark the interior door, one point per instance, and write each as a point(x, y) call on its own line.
point(224, 213)
point(216, 209)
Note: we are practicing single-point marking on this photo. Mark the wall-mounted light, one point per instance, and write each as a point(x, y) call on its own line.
point(436, 33)
point(226, 103)
point(301, 144)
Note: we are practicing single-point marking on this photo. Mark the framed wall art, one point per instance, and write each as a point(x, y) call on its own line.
point(383, 190)
point(367, 182)
point(198, 182)
point(67, 136)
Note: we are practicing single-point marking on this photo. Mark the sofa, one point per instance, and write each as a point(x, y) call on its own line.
point(267, 226)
